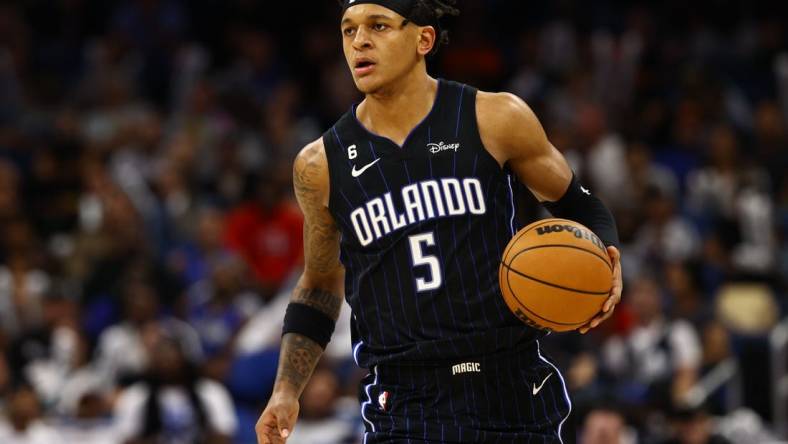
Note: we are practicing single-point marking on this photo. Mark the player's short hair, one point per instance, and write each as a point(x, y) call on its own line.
point(434, 11)
point(429, 13)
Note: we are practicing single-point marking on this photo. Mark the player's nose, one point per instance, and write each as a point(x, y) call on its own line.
point(362, 39)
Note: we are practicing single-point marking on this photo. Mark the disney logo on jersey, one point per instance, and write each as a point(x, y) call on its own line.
point(436, 148)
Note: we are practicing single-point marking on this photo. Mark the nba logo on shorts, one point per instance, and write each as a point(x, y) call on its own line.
point(383, 400)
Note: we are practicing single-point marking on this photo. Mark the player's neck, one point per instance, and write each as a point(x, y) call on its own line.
point(394, 111)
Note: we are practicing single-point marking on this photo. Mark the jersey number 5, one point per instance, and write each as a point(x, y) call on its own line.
point(417, 243)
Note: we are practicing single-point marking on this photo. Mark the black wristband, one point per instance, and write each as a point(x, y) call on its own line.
point(309, 322)
point(580, 205)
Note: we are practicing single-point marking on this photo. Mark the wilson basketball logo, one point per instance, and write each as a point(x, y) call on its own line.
point(578, 233)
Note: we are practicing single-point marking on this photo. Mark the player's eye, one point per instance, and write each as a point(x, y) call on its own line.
point(380, 27)
point(349, 31)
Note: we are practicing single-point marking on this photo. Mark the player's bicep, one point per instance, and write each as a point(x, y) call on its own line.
point(546, 172)
point(513, 134)
point(321, 234)
point(321, 244)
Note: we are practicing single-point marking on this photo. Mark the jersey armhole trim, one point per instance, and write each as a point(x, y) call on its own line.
point(328, 168)
point(504, 170)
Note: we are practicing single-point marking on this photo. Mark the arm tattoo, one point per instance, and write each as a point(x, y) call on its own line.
point(325, 301)
point(321, 235)
point(297, 360)
point(299, 355)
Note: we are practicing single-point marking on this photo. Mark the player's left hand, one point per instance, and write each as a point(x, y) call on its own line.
point(615, 293)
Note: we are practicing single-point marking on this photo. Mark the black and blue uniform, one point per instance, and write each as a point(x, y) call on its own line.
point(423, 227)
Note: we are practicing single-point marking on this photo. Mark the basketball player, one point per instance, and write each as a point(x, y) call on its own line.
point(408, 206)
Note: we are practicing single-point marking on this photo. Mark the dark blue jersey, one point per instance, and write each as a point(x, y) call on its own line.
point(423, 230)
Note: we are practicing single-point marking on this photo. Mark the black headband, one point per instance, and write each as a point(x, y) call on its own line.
point(401, 7)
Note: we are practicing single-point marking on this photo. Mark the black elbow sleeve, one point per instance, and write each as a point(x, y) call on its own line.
point(580, 205)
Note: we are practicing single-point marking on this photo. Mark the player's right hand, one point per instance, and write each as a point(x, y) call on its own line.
point(277, 421)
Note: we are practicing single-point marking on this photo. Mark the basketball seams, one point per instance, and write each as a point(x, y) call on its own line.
point(536, 224)
point(550, 284)
point(521, 304)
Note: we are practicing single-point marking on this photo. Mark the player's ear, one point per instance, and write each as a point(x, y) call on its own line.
point(427, 37)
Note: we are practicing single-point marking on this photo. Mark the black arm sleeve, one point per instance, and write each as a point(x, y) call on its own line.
point(580, 205)
point(310, 322)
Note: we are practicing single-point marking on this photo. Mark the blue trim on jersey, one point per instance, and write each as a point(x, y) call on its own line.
point(356, 350)
point(511, 201)
point(369, 401)
point(459, 112)
point(563, 386)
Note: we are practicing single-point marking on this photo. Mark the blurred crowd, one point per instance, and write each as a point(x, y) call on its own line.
point(149, 234)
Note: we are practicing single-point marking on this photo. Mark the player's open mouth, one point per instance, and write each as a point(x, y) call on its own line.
point(363, 67)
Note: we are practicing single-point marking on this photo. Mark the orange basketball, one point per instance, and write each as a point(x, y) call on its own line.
point(555, 274)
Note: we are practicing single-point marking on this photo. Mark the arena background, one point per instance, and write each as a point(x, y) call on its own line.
point(149, 235)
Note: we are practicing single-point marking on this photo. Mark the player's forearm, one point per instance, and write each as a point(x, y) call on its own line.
point(300, 352)
point(297, 360)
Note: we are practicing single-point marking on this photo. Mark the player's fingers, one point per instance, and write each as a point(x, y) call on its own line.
point(615, 255)
point(284, 426)
point(615, 291)
point(267, 430)
point(612, 300)
point(268, 435)
point(598, 319)
point(601, 318)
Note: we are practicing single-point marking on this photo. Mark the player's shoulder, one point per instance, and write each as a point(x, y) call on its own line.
point(505, 114)
point(507, 125)
point(502, 108)
point(312, 154)
point(310, 171)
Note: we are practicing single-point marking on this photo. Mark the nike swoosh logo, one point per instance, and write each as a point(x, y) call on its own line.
point(357, 173)
point(537, 389)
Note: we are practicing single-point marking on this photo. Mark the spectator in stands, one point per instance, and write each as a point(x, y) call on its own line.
point(222, 303)
point(605, 153)
point(122, 355)
point(685, 299)
point(661, 357)
point(693, 426)
point(266, 231)
point(90, 422)
point(22, 290)
point(665, 236)
point(191, 260)
point(643, 174)
point(731, 193)
point(24, 424)
point(606, 425)
point(220, 306)
point(44, 356)
point(716, 350)
point(172, 404)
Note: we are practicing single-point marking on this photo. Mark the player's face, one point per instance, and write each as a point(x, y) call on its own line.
point(378, 48)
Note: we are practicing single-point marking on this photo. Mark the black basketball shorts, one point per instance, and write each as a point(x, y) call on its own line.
point(515, 397)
